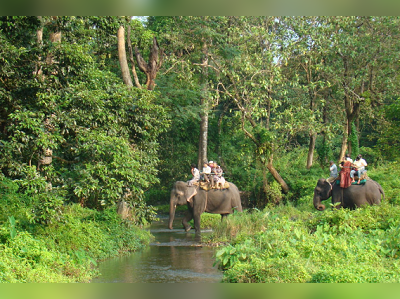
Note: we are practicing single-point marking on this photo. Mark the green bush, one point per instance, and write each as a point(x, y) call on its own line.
point(288, 244)
point(66, 250)
point(210, 220)
point(27, 259)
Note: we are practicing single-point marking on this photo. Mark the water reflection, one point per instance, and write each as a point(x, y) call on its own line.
point(174, 256)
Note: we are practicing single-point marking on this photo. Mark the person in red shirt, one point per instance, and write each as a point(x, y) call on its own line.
point(345, 179)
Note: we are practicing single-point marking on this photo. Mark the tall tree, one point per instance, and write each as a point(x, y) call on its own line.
point(306, 72)
point(249, 75)
point(150, 68)
point(102, 133)
point(153, 66)
point(361, 48)
point(126, 76)
point(192, 40)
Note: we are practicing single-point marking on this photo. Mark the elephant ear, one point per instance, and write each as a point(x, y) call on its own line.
point(190, 192)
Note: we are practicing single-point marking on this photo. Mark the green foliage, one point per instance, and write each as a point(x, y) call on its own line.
point(296, 243)
point(164, 209)
point(45, 208)
point(157, 195)
point(44, 240)
point(388, 139)
point(231, 255)
point(290, 245)
point(13, 230)
point(27, 259)
point(353, 139)
point(67, 250)
point(142, 213)
point(103, 135)
point(388, 175)
point(209, 220)
point(277, 80)
point(324, 151)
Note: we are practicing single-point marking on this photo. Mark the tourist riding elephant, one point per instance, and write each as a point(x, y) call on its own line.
point(351, 197)
point(214, 201)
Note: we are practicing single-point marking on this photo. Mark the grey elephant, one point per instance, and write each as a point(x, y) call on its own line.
point(214, 201)
point(354, 196)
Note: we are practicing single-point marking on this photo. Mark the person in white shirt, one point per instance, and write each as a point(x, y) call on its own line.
point(363, 162)
point(219, 179)
point(196, 175)
point(206, 172)
point(333, 172)
point(359, 166)
point(348, 158)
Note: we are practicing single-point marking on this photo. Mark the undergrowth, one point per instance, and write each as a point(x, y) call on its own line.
point(293, 242)
point(66, 249)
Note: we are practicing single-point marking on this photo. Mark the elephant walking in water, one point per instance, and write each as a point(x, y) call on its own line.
point(214, 201)
point(351, 197)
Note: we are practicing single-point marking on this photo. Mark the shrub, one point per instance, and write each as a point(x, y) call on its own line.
point(66, 250)
point(286, 244)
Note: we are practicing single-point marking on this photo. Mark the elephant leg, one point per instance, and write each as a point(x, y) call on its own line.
point(188, 216)
point(223, 216)
point(337, 198)
point(196, 218)
point(338, 205)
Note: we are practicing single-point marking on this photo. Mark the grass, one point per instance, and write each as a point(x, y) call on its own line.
point(66, 250)
point(285, 244)
point(293, 242)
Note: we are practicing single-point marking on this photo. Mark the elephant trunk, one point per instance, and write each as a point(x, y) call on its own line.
point(320, 207)
point(317, 203)
point(172, 208)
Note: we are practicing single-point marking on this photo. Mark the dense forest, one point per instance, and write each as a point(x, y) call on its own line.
point(102, 112)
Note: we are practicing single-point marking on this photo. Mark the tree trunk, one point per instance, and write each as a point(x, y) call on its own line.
point(154, 65)
point(45, 157)
point(313, 136)
point(151, 68)
point(39, 39)
point(55, 37)
point(311, 147)
point(203, 138)
point(203, 143)
point(126, 76)
point(123, 209)
point(324, 159)
point(344, 141)
point(352, 107)
point(135, 76)
point(276, 175)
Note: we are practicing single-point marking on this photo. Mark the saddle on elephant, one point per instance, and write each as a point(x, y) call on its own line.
point(207, 185)
point(362, 182)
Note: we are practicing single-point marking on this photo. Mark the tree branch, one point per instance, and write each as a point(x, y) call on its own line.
point(135, 76)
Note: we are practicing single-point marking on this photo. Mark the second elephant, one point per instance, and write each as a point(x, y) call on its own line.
point(354, 196)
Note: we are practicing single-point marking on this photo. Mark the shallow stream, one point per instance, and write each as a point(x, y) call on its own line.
point(174, 256)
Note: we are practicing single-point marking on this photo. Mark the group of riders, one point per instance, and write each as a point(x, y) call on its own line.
point(211, 174)
point(349, 171)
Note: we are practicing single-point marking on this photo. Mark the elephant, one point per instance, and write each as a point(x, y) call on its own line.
point(214, 201)
point(351, 197)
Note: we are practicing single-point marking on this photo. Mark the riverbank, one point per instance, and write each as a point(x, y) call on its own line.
point(66, 251)
point(296, 243)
